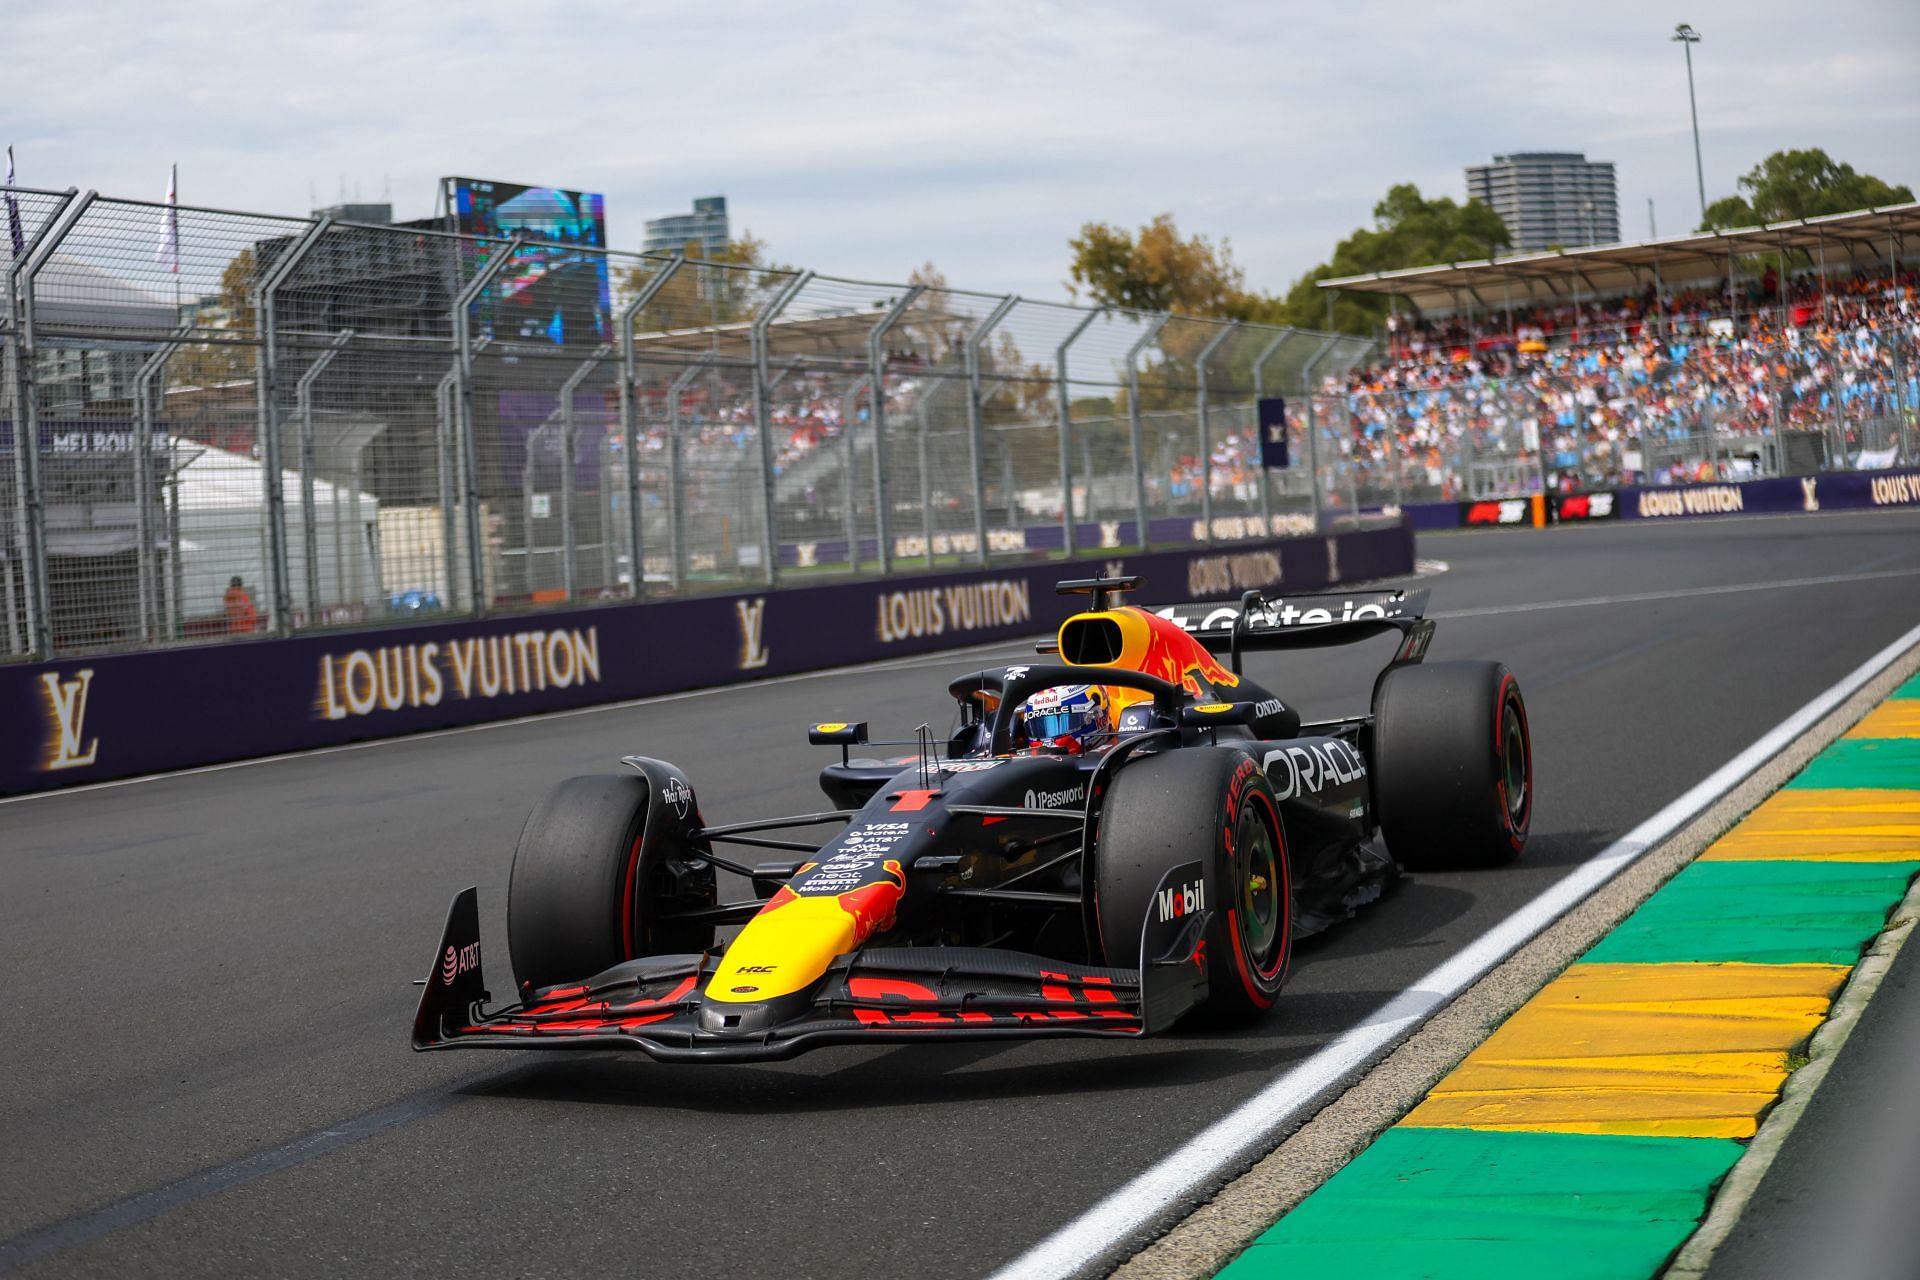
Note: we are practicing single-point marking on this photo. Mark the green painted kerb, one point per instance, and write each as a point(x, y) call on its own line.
point(1911, 689)
point(1853, 764)
point(1762, 912)
point(1447, 1203)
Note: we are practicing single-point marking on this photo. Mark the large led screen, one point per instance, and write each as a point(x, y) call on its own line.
point(556, 290)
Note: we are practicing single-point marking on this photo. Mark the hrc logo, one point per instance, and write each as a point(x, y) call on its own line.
point(66, 720)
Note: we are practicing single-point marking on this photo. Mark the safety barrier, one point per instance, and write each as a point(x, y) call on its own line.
point(1778, 495)
point(90, 719)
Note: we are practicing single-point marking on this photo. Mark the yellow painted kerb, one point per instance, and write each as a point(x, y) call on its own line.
point(1826, 826)
point(1685, 1050)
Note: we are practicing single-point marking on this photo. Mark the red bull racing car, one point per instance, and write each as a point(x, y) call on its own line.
point(1111, 837)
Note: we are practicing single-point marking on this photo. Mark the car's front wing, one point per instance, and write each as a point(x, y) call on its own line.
point(657, 1004)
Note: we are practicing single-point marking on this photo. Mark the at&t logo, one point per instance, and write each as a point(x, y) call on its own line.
point(459, 960)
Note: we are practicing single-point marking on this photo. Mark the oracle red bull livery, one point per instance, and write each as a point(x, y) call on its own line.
point(1119, 834)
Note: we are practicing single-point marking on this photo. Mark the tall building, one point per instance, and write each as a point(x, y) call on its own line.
point(1549, 198)
point(705, 226)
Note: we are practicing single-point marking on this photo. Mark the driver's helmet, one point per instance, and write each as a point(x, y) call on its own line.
point(1067, 717)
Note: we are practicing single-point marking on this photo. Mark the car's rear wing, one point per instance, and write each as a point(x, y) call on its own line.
point(1259, 622)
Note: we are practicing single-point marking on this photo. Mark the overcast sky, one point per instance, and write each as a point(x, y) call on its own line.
point(865, 139)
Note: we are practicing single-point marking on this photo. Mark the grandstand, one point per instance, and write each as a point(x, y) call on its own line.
point(1787, 348)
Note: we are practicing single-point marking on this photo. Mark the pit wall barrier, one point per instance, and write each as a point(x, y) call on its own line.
point(92, 719)
point(1780, 495)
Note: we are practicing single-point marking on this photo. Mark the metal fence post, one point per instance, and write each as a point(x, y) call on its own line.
point(976, 431)
point(762, 419)
point(877, 399)
point(303, 404)
point(1133, 426)
point(849, 483)
point(1259, 393)
point(467, 453)
point(1206, 435)
point(676, 489)
point(1313, 428)
point(1066, 427)
point(145, 570)
point(629, 422)
point(280, 612)
point(569, 430)
point(446, 441)
point(31, 517)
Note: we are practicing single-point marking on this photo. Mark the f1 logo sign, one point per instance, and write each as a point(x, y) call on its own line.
point(752, 616)
point(67, 717)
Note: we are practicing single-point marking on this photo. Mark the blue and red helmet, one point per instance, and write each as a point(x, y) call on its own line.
point(1067, 717)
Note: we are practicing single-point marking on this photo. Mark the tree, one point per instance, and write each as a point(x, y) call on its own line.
point(207, 364)
point(1800, 184)
point(1408, 230)
point(735, 284)
point(1160, 270)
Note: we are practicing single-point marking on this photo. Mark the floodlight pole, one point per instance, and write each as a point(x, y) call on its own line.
point(1686, 37)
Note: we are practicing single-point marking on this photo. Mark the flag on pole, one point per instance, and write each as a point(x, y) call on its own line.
point(168, 254)
point(13, 212)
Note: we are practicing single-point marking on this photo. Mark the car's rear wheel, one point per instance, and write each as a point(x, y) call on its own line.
point(1453, 765)
point(1213, 805)
point(588, 890)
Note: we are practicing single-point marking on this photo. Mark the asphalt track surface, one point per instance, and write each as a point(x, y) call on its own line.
point(206, 977)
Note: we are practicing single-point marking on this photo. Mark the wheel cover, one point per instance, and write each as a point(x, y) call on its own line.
point(1259, 889)
point(1515, 775)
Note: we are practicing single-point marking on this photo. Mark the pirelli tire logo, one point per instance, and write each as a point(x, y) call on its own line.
point(68, 745)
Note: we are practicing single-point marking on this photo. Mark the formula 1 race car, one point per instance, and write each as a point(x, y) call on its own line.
point(1015, 880)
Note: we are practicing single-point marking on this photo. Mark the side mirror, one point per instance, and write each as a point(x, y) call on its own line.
point(838, 734)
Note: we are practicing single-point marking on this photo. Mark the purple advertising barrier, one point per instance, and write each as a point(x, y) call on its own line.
point(1829, 491)
point(1426, 517)
point(121, 715)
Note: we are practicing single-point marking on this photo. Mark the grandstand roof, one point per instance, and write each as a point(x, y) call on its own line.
point(1843, 239)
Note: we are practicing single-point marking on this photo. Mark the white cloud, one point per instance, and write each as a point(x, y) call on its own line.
point(864, 139)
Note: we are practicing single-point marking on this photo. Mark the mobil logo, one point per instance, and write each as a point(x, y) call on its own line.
point(1181, 900)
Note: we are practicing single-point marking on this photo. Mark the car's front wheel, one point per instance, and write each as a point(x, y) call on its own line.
point(1211, 804)
point(589, 889)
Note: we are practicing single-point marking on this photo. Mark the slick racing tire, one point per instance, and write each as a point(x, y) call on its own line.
point(1214, 805)
point(585, 888)
point(1453, 765)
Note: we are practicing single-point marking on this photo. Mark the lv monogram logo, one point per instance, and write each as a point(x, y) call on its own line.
point(67, 717)
point(752, 615)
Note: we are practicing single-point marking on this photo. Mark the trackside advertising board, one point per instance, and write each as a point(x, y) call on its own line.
point(1783, 495)
point(89, 719)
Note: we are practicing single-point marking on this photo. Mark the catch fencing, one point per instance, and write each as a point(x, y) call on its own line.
point(219, 425)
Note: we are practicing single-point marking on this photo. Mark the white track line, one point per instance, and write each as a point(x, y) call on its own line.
point(1245, 1132)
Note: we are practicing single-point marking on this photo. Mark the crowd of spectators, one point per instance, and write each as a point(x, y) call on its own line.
point(1621, 391)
